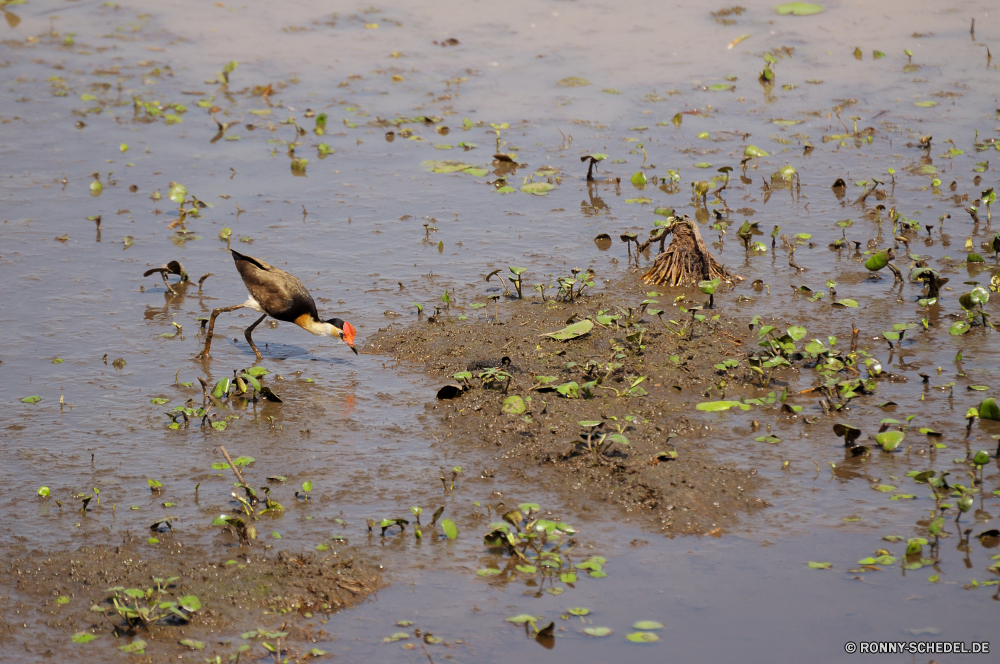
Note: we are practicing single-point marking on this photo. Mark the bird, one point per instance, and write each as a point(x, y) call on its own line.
point(280, 295)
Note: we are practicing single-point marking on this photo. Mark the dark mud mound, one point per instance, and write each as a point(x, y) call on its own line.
point(632, 378)
point(53, 595)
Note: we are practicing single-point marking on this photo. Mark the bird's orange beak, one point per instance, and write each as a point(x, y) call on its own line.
point(349, 334)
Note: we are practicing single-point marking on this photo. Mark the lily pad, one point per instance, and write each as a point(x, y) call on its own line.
point(846, 302)
point(83, 637)
point(754, 151)
point(572, 82)
point(597, 631)
point(959, 328)
point(445, 166)
point(537, 188)
point(816, 565)
point(523, 618)
point(647, 625)
point(642, 637)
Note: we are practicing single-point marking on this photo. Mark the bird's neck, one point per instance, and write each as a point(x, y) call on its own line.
point(310, 324)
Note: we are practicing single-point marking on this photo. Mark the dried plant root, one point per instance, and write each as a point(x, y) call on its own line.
point(687, 260)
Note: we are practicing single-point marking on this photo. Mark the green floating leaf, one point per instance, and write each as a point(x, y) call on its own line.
point(523, 618)
point(83, 637)
point(642, 637)
point(578, 611)
point(754, 151)
point(597, 631)
point(647, 625)
point(445, 166)
point(799, 9)
point(720, 87)
point(449, 528)
point(816, 565)
point(488, 571)
point(537, 188)
point(191, 643)
point(925, 104)
point(572, 331)
point(31, 399)
point(846, 302)
point(959, 328)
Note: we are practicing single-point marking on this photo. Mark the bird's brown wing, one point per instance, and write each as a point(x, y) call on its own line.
point(280, 294)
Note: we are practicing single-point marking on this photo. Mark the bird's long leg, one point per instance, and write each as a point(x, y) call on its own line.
point(247, 334)
point(211, 329)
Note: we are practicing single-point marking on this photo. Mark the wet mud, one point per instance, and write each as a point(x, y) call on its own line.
point(389, 157)
point(667, 475)
point(258, 595)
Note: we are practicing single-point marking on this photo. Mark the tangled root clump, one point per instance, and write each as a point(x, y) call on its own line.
point(687, 260)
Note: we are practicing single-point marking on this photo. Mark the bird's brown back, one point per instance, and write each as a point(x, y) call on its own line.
point(280, 294)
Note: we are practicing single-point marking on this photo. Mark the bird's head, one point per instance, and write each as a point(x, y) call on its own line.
point(345, 331)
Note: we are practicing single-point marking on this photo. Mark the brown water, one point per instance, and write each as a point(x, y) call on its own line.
point(358, 427)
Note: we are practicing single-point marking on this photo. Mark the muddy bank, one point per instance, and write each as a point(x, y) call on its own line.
point(525, 395)
point(282, 599)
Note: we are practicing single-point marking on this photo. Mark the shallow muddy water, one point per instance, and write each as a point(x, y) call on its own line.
point(90, 94)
